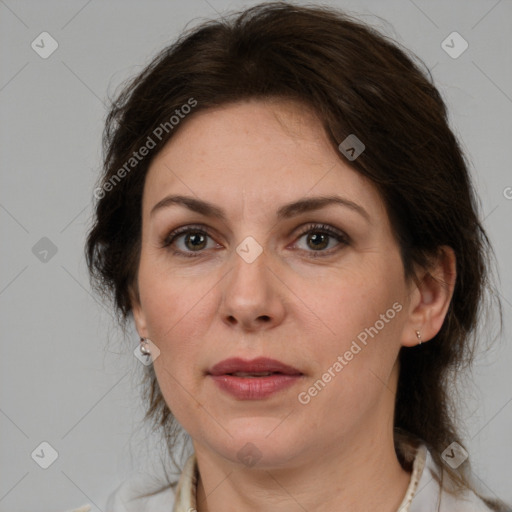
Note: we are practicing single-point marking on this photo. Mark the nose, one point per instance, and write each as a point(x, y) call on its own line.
point(251, 295)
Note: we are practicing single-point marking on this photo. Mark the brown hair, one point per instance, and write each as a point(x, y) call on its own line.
point(358, 82)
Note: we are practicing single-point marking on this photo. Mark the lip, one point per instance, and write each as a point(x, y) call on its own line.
point(261, 364)
point(253, 388)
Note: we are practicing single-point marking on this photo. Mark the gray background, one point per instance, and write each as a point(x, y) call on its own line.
point(68, 377)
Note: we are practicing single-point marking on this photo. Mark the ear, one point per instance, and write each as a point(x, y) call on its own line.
point(138, 314)
point(430, 296)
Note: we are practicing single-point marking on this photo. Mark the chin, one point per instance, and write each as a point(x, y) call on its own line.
point(260, 443)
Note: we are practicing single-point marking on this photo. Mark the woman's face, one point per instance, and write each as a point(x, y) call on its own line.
point(319, 289)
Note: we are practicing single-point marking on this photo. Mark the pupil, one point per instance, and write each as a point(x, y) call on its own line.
point(195, 238)
point(317, 237)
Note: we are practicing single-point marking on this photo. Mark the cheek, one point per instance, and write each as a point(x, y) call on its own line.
point(362, 315)
point(352, 363)
point(171, 309)
point(172, 301)
point(353, 299)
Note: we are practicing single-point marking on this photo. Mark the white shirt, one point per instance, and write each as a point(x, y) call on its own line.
point(423, 494)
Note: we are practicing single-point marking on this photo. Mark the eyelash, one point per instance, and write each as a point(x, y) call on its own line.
point(310, 228)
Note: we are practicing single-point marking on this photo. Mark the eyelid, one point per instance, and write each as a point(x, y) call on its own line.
point(184, 229)
point(326, 228)
point(341, 237)
point(175, 233)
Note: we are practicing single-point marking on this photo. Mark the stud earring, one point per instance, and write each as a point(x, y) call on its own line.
point(418, 335)
point(144, 347)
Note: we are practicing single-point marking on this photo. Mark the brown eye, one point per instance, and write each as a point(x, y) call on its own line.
point(318, 238)
point(196, 240)
point(186, 241)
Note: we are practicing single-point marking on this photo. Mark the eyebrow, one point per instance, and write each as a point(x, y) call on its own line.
point(284, 212)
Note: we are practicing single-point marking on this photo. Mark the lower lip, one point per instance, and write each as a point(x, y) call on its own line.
point(254, 388)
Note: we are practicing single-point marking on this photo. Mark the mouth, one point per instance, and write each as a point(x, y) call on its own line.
point(253, 375)
point(261, 367)
point(253, 380)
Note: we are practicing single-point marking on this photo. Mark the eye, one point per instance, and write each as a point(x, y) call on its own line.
point(194, 240)
point(319, 236)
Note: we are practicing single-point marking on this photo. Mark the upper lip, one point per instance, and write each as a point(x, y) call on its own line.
point(261, 364)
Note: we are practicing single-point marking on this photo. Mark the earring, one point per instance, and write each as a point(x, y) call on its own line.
point(418, 335)
point(144, 347)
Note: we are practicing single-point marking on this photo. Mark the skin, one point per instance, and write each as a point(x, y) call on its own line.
point(249, 158)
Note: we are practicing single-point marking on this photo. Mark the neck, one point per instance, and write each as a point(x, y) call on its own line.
point(357, 474)
point(361, 483)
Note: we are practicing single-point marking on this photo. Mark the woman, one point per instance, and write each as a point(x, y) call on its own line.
point(289, 220)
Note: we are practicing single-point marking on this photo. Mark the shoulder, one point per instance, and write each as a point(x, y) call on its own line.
point(430, 495)
point(150, 494)
point(132, 496)
point(141, 492)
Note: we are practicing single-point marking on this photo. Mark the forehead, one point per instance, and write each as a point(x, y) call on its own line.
point(261, 153)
